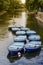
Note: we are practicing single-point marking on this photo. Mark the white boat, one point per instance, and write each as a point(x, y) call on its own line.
point(18, 33)
point(15, 29)
point(24, 37)
point(34, 38)
point(18, 26)
point(25, 29)
point(20, 39)
point(36, 42)
point(16, 47)
point(14, 26)
point(32, 46)
point(30, 32)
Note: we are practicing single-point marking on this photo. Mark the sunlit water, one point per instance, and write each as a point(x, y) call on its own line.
point(6, 38)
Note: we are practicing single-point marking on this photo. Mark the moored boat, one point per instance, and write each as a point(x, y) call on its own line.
point(14, 30)
point(25, 29)
point(24, 36)
point(30, 32)
point(19, 33)
point(16, 47)
point(14, 26)
point(36, 42)
point(34, 38)
point(32, 46)
point(19, 26)
point(20, 39)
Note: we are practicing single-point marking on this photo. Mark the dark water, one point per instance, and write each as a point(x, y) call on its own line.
point(6, 38)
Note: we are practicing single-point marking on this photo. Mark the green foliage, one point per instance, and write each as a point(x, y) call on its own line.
point(29, 4)
point(14, 4)
point(9, 4)
point(33, 5)
point(4, 4)
point(40, 2)
point(1, 4)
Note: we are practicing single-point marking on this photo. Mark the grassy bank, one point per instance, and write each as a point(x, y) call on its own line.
point(39, 16)
point(2, 12)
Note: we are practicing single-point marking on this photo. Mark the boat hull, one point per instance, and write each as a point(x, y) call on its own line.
point(20, 41)
point(31, 50)
point(30, 34)
point(33, 40)
point(20, 34)
point(13, 52)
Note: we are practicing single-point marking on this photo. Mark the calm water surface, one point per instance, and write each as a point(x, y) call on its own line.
point(6, 38)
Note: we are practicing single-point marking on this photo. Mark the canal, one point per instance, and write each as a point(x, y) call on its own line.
point(6, 38)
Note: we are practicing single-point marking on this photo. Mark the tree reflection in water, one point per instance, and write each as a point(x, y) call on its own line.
point(26, 55)
point(34, 24)
point(32, 54)
point(12, 58)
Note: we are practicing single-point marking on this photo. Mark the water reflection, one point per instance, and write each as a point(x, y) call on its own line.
point(6, 20)
point(17, 14)
point(12, 58)
point(26, 55)
point(33, 24)
point(33, 54)
point(8, 16)
point(21, 20)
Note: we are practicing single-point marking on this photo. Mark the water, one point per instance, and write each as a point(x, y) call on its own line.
point(6, 38)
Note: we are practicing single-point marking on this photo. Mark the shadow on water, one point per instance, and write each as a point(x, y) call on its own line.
point(26, 55)
point(33, 24)
point(12, 58)
point(32, 54)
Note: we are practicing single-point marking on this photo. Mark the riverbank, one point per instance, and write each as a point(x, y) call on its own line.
point(2, 12)
point(39, 16)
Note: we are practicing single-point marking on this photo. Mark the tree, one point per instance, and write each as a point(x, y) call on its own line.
point(29, 4)
point(9, 4)
point(33, 5)
point(4, 4)
point(40, 2)
point(1, 5)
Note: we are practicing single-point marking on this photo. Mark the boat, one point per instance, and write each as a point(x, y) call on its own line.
point(19, 33)
point(15, 48)
point(15, 30)
point(18, 26)
point(20, 39)
point(12, 26)
point(25, 29)
point(34, 38)
point(32, 46)
point(30, 32)
point(36, 42)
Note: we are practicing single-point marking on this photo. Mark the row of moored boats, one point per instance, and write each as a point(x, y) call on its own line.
point(26, 40)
